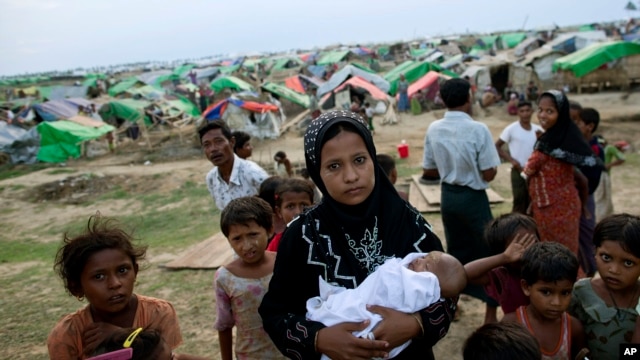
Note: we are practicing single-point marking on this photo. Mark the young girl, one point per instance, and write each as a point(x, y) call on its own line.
point(549, 270)
point(146, 344)
point(291, 198)
point(101, 265)
point(551, 172)
point(360, 222)
point(608, 305)
point(241, 284)
point(508, 236)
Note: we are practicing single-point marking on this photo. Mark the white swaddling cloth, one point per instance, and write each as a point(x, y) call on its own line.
point(392, 285)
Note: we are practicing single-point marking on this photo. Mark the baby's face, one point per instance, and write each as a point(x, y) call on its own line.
point(425, 263)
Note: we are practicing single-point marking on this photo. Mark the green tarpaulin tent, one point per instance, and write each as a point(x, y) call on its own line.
point(181, 71)
point(362, 67)
point(412, 70)
point(513, 39)
point(230, 82)
point(595, 55)
point(333, 57)
point(125, 109)
point(123, 86)
point(229, 69)
point(285, 92)
point(60, 140)
point(286, 63)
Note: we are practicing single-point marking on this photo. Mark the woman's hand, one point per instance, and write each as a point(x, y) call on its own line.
point(396, 327)
point(338, 342)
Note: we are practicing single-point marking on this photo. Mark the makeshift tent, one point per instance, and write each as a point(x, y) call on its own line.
point(511, 40)
point(429, 84)
point(125, 110)
point(124, 85)
point(147, 92)
point(287, 63)
point(60, 92)
point(527, 46)
point(412, 70)
point(541, 60)
point(229, 68)
point(594, 56)
point(333, 57)
point(260, 120)
point(350, 71)
point(230, 82)
point(570, 42)
point(287, 93)
point(60, 109)
point(300, 83)
point(21, 145)
point(153, 77)
point(182, 70)
point(363, 67)
point(61, 140)
point(358, 82)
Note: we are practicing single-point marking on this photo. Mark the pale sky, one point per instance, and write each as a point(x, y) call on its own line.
point(42, 35)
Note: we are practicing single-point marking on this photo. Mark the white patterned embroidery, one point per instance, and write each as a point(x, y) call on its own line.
point(368, 250)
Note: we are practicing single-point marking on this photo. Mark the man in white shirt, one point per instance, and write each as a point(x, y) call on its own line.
point(231, 177)
point(520, 136)
point(460, 151)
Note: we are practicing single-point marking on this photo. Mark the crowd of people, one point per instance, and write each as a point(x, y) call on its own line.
point(339, 265)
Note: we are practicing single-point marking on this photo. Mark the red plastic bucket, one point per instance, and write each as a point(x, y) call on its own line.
point(403, 150)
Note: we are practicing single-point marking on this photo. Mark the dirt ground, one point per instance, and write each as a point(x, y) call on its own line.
point(71, 185)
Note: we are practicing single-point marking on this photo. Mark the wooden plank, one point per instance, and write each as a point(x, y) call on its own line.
point(494, 197)
point(432, 192)
point(208, 254)
point(419, 202)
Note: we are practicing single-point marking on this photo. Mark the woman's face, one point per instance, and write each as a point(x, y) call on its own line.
point(547, 113)
point(346, 168)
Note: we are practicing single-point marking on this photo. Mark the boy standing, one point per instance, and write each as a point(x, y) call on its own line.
point(369, 112)
point(520, 137)
point(587, 121)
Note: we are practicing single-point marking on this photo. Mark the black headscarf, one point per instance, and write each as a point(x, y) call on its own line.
point(367, 234)
point(564, 141)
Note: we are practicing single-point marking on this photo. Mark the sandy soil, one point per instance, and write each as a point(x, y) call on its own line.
point(621, 121)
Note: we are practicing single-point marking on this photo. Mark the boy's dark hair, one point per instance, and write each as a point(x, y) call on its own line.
point(145, 345)
point(280, 154)
point(241, 139)
point(386, 162)
point(455, 92)
point(502, 228)
point(523, 103)
point(243, 210)
point(101, 234)
point(590, 116)
point(268, 188)
point(215, 124)
point(501, 341)
point(549, 262)
point(293, 185)
point(574, 105)
point(366, 104)
point(623, 228)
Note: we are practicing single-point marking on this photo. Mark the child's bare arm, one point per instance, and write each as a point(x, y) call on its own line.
point(477, 271)
point(578, 340)
point(226, 340)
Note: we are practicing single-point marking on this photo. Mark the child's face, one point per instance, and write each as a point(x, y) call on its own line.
point(346, 168)
point(246, 150)
point(524, 113)
point(249, 241)
point(549, 299)
point(585, 129)
point(293, 203)
point(547, 113)
point(107, 280)
point(425, 263)
point(618, 268)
